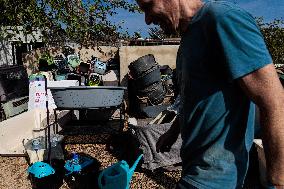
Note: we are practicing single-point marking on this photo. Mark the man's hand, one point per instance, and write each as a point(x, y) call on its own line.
point(167, 139)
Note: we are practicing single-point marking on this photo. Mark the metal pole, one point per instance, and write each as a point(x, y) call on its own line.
point(48, 122)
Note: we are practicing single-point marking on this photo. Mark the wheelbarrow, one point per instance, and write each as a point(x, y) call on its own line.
point(89, 97)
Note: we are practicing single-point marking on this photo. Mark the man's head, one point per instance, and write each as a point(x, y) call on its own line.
point(161, 12)
point(170, 15)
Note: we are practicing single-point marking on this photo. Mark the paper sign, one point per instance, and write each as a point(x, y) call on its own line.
point(37, 96)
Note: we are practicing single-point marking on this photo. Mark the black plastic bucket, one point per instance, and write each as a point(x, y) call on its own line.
point(112, 64)
point(155, 92)
point(43, 183)
point(84, 68)
point(142, 65)
point(150, 77)
point(72, 76)
point(53, 181)
point(166, 70)
point(85, 179)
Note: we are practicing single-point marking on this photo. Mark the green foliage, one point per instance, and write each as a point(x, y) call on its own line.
point(137, 35)
point(273, 34)
point(156, 33)
point(59, 20)
point(47, 57)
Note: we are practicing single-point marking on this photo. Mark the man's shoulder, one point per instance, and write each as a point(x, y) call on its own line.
point(219, 8)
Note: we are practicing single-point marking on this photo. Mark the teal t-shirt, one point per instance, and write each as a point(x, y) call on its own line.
point(222, 44)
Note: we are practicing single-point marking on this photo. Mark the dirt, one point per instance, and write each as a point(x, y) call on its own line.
point(105, 149)
point(13, 170)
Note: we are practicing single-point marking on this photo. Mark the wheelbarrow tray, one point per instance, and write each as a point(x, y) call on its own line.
point(83, 97)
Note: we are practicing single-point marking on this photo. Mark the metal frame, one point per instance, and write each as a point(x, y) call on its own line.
point(121, 108)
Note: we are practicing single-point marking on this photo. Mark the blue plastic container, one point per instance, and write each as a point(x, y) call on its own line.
point(42, 176)
point(41, 169)
point(81, 171)
point(77, 163)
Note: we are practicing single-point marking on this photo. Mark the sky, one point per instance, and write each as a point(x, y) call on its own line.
point(268, 9)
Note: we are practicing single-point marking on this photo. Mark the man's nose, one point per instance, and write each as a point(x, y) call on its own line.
point(148, 18)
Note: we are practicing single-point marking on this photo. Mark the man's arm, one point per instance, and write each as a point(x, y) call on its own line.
point(265, 90)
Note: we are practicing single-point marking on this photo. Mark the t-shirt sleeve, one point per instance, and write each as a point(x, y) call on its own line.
point(242, 43)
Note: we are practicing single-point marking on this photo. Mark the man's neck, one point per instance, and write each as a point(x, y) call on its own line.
point(188, 9)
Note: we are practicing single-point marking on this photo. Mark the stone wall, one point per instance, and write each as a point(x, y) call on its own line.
point(30, 59)
point(164, 55)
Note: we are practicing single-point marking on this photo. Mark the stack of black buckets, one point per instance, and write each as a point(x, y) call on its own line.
point(146, 77)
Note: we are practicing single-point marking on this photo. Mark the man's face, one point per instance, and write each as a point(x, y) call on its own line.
point(161, 12)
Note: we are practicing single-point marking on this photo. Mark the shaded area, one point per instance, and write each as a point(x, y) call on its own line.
point(252, 179)
point(81, 127)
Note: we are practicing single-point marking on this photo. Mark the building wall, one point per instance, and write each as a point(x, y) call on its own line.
point(30, 59)
point(19, 35)
point(6, 54)
point(6, 46)
point(104, 53)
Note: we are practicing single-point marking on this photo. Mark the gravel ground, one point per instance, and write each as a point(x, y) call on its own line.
point(105, 149)
point(13, 173)
point(13, 170)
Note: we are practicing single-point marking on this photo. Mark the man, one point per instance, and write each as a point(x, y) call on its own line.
point(223, 66)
